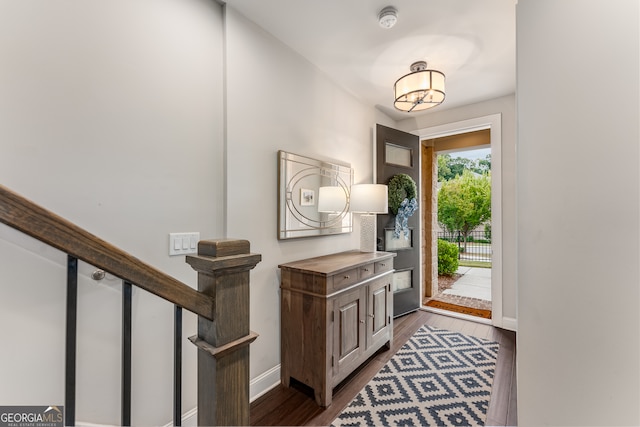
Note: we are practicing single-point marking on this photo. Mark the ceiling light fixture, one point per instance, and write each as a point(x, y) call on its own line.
point(388, 17)
point(420, 89)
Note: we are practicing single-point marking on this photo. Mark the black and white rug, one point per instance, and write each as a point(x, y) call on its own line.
point(437, 378)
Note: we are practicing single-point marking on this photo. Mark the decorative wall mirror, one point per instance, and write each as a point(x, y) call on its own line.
point(313, 197)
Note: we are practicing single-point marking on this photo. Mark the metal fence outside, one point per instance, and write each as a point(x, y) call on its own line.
point(476, 248)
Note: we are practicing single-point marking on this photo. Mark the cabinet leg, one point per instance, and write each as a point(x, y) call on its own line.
point(286, 380)
point(323, 396)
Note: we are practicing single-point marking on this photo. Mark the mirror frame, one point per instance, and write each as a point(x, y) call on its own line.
point(296, 175)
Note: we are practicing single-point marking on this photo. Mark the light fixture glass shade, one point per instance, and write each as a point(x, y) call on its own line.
point(332, 199)
point(369, 198)
point(419, 90)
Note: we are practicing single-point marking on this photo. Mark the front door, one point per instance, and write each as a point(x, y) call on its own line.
point(399, 153)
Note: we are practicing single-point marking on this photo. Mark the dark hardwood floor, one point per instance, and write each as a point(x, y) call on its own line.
point(295, 406)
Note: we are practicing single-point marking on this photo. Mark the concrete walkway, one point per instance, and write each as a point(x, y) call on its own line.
point(474, 283)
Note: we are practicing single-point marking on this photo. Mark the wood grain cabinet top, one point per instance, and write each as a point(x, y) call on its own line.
point(327, 274)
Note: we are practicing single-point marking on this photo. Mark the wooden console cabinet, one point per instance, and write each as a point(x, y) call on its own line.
point(336, 312)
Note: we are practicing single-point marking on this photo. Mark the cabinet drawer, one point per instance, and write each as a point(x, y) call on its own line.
point(382, 266)
point(367, 271)
point(344, 279)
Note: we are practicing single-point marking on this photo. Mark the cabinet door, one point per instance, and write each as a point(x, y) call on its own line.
point(379, 311)
point(348, 331)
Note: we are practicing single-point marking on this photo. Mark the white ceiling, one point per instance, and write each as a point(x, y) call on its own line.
point(471, 41)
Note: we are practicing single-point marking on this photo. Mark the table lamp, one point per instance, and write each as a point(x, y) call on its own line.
point(369, 200)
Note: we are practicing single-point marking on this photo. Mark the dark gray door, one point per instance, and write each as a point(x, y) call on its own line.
point(399, 153)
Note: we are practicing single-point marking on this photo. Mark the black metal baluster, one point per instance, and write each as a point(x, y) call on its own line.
point(70, 346)
point(177, 367)
point(126, 353)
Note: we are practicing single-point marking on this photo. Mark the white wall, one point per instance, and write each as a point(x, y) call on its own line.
point(505, 106)
point(578, 162)
point(110, 116)
point(278, 100)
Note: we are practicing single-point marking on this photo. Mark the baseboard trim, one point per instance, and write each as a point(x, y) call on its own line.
point(87, 424)
point(259, 386)
point(264, 382)
point(510, 324)
point(189, 419)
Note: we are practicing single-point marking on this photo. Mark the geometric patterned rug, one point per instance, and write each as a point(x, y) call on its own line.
point(437, 378)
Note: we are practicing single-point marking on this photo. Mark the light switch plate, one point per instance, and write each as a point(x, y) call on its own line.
point(183, 243)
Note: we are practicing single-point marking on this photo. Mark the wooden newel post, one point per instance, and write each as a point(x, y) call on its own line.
point(223, 357)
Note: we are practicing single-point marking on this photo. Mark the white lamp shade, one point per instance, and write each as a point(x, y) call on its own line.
point(369, 198)
point(332, 199)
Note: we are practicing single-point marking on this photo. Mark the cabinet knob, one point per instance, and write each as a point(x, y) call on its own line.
point(361, 321)
point(383, 264)
point(371, 315)
point(346, 277)
point(365, 269)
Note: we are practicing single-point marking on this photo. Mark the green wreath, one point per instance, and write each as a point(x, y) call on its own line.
point(401, 187)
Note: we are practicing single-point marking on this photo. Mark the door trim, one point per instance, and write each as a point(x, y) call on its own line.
point(494, 123)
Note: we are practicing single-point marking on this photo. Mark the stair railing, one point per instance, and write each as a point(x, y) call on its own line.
point(221, 303)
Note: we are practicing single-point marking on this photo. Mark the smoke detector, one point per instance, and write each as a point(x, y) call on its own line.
point(388, 17)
